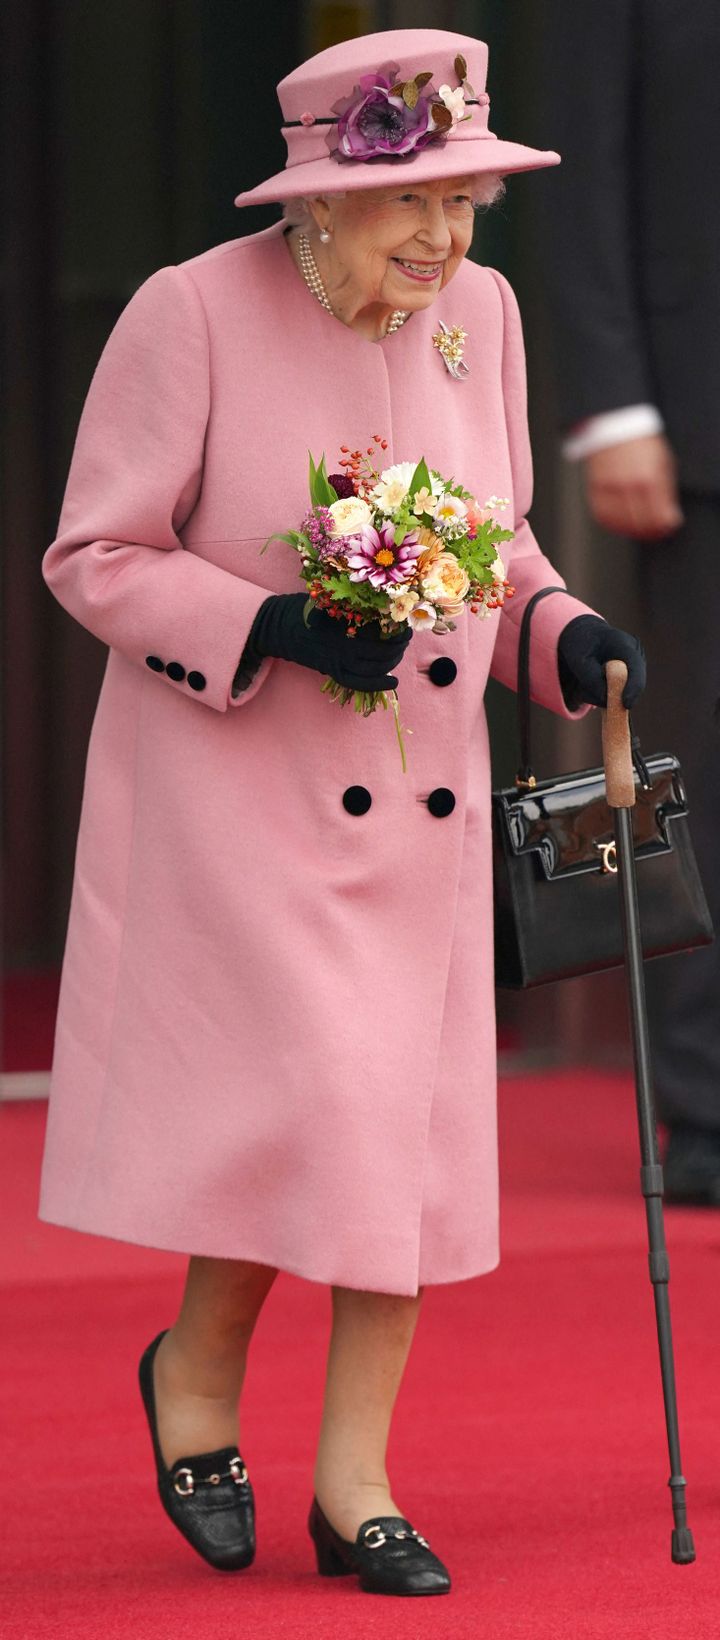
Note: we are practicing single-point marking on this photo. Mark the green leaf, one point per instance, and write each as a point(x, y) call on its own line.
point(340, 585)
point(421, 478)
point(322, 494)
point(291, 538)
point(308, 605)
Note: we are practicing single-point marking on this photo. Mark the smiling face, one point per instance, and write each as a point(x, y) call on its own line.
point(398, 246)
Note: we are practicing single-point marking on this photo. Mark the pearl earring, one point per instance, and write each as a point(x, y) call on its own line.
point(324, 235)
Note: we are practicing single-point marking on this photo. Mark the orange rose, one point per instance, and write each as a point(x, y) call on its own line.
point(446, 582)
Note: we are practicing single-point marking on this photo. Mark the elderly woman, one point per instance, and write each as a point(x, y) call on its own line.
point(275, 1043)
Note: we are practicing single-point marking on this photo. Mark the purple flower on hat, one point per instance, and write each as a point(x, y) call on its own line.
point(375, 556)
point(374, 124)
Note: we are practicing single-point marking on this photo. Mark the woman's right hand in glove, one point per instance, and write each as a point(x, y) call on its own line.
point(362, 662)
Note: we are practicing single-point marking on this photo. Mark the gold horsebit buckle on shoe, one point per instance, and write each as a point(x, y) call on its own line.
point(236, 1472)
point(382, 1537)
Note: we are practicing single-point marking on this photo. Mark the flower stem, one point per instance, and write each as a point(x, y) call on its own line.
point(398, 730)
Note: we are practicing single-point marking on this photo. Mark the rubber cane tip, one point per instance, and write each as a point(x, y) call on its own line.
point(683, 1548)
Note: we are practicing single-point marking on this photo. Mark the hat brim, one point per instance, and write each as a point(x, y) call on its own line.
point(330, 176)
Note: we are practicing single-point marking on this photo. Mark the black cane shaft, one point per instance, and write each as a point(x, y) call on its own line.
point(635, 977)
point(683, 1550)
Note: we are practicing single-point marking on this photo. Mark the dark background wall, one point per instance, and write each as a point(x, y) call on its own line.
point(128, 127)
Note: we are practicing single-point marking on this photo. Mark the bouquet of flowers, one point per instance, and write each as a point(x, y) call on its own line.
point(398, 546)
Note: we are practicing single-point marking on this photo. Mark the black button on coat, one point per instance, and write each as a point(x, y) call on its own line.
point(441, 802)
point(442, 670)
point(357, 799)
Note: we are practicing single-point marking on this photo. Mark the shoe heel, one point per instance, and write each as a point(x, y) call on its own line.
point(329, 1563)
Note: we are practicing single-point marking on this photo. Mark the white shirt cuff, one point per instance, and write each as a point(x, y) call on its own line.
point(612, 427)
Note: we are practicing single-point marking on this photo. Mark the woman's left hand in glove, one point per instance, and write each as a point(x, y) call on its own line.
point(584, 646)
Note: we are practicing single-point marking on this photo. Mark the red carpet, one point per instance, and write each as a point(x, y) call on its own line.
point(528, 1444)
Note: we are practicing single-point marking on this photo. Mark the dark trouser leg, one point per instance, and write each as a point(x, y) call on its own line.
point(679, 583)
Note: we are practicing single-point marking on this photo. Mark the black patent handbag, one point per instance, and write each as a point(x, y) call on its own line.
point(557, 907)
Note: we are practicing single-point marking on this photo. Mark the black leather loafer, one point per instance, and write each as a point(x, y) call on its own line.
point(389, 1555)
point(207, 1496)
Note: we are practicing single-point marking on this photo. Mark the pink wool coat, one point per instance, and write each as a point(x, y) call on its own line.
point(275, 1038)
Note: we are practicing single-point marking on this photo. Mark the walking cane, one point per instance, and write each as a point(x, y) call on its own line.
point(620, 785)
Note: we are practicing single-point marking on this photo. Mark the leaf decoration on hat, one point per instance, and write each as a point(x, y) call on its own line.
point(410, 90)
point(461, 71)
point(441, 116)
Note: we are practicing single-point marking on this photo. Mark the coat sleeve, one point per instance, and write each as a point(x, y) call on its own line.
point(527, 568)
point(587, 218)
point(118, 565)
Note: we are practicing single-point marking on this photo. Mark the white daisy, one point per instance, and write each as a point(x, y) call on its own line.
point(393, 486)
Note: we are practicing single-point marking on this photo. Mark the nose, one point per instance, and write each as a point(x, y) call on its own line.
point(435, 233)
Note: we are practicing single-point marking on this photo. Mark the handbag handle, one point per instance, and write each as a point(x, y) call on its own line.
point(525, 779)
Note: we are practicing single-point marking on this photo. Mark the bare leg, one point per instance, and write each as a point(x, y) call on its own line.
point(369, 1346)
point(200, 1365)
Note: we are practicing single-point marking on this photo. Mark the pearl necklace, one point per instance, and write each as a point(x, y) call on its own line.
point(311, 275)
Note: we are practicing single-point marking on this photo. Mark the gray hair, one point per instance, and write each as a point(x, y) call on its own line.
point(487, 189)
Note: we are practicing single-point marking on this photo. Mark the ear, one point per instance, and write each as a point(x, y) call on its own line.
point(319, 209)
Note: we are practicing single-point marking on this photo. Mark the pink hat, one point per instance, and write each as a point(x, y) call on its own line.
point(372, 110)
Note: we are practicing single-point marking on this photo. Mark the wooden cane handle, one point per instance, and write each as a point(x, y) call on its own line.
point(617, 749)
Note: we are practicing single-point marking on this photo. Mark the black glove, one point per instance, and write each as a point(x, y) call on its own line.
point(362, 662)
point(584, 646)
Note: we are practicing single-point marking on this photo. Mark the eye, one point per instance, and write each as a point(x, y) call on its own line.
point(460, 199)
point(404, 198)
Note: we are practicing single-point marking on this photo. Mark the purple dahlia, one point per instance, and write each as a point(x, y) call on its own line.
point(375, 557)
point(342, 485)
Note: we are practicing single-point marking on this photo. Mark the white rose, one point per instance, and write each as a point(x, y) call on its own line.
point(349, 515)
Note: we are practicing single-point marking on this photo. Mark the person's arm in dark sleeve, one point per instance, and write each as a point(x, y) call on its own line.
point(586, 217)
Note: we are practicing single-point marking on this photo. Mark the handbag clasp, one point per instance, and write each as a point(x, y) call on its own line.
point(609, 857)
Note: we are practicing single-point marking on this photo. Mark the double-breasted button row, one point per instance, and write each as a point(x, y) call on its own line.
point(174, 670)
point(441, 801)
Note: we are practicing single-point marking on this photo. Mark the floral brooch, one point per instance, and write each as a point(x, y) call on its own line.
point(388, 118)
point(450, 341)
